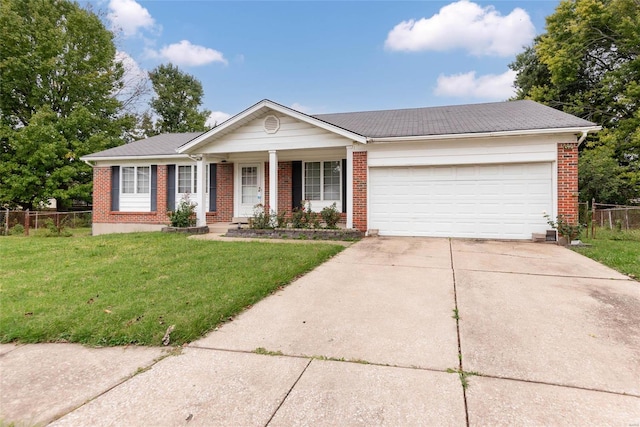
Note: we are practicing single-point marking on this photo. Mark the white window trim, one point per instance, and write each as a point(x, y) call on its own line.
point(193, 182)
point(320, 204)
point(135, 180)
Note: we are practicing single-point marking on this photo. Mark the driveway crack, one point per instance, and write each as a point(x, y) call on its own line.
point(457, 319)
point(288, 392)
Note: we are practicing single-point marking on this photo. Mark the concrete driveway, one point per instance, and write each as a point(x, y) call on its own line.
point(385, 333)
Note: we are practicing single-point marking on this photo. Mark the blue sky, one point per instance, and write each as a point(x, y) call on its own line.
point(331, 56)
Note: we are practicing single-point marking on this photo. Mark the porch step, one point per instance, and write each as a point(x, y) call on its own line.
point(240, 220)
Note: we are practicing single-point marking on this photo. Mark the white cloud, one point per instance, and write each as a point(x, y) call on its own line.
point(465, 25)
point(134, 93)
point(129, 16)
point(185, 53)
point(131, 68)
point(217, 117)
point(467, 85)
point(302, 108)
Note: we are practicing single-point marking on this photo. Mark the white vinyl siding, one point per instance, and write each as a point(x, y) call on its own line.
point(502, 201)
point(135, 189)
point(292, 135)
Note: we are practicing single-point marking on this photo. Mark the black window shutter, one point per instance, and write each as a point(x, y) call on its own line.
point(213, 189)
point(115, 188)
point(344, 185)
point(296, 183)
point(171, 187)
point(154, 188)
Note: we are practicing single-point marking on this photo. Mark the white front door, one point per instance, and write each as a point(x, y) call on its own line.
point(250, 188)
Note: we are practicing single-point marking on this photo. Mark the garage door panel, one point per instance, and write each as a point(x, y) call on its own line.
point(483, 201)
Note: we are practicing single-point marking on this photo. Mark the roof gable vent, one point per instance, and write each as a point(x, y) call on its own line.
point(271, 124)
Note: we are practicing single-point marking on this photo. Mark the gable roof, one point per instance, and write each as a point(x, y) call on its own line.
point(510, 117)
point(258, 110)
point(456, 119)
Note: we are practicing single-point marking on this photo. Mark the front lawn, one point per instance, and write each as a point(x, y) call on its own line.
point(129, 288)
point(619, 250)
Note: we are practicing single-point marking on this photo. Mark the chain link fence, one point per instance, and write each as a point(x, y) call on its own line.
point(616, 216)
point(23, 221)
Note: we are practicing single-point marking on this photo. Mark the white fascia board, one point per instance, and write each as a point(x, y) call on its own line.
point(266, 104)
point(151, 157)
point(576, 130)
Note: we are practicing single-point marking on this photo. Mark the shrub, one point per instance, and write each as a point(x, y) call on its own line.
point(57, 230)
point(330, 216)
point(304, 217)
point(565, 229)
point(281, 219)
point(299, 218)
point(184, 216)
point(260, 219)
point(17, 230)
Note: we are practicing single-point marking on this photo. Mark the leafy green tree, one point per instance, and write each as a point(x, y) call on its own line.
point(58, 77)
point(178, 97)
point(587, 64)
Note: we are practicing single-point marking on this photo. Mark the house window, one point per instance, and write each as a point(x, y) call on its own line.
point(187, 179)
point(322, 181)
point(136, 179)
point(143, 177)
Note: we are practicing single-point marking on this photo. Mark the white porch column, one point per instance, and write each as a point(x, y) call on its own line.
point(201, 211)
point(349, 194)
point(273, 181)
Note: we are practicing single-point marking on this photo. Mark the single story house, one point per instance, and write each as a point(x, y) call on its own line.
point(477, 171)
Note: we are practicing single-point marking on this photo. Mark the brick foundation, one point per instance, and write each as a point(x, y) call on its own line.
point(568, 181)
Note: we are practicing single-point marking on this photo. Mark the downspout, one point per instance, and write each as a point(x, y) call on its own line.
point(582, 137)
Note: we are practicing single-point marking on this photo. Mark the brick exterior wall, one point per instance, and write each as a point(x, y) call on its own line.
point(360, 190)
point(568, 181)
point(265, 190)
point(225, 196)
point(101, 193)
point(224, 188)
point(102, 212)
point(285, 181)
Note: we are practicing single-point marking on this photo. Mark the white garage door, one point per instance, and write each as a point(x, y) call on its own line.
point(478, 201)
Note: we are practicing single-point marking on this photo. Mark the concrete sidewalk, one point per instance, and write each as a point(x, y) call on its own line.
point(544, 336)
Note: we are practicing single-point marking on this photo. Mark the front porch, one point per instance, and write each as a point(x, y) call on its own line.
point(280, 181)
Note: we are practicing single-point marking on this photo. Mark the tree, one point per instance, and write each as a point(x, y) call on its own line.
point(587, 64)
point(178, 97)
point(58, 80)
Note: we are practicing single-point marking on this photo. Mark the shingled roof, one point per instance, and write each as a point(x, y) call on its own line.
point(455, 119)
point(511, 116)
point(159, 145)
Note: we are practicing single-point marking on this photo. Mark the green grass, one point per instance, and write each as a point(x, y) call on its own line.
point(129, 288)
point(619, 250)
